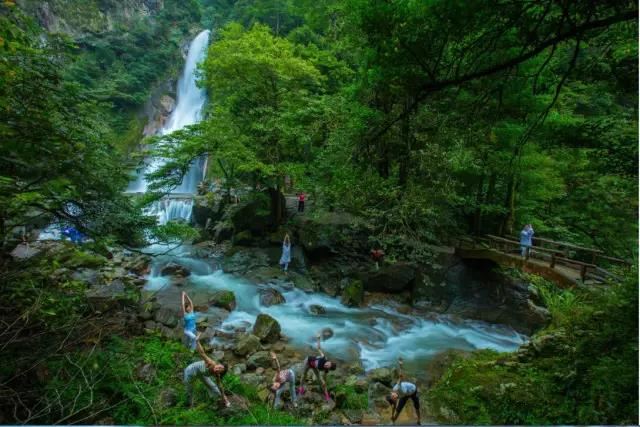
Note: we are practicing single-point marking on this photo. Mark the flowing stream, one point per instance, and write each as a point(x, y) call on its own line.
point(188, 111)
point(376, 335)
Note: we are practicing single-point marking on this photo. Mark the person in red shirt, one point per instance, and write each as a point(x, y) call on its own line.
point(376, 256)
point(301, 197)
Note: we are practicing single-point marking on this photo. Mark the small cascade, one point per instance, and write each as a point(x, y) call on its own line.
point(188, 111)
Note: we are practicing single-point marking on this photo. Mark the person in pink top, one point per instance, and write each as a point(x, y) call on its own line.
point(301, 197)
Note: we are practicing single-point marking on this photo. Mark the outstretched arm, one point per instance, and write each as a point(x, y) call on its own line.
point(400, 374)
point(318, 347)
point(275, 358)
point(202, 353)
point(190, 302)
point(184, 307)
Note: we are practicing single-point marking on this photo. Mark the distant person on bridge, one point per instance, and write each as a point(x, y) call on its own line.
point(301, 197)
point(526, 236)
point(285, 259)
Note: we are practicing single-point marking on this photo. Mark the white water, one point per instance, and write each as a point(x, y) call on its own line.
point(188, 111)
point(376, 335)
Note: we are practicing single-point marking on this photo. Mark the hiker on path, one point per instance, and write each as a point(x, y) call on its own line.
point(204, 370)
point(301, 197)
point(526, 236)
point(401, 392)
point(282, 379)
point(285, 259)
point(189, 317)
point(317, 363)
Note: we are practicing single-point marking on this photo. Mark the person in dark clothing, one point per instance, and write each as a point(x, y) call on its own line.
point(317, 363)
point(301, 198)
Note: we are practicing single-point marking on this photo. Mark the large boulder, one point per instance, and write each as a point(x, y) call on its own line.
point(105, 297)
point(223, 299)
point(266, 328)
point(253, 214)
point(270, 296)
point(382, 375)
point(247, 345)
point(353, 294)
point(173, 269)
point(317, 309)
point(167, 317)
point(241, 260)
point(259, 359)
point(376, 394)
point(390, 278)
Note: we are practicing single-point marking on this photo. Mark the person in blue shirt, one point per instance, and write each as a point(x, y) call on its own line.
point(189, 317)
point(285, 259)
point(401, 393)
point(73, 234)
point(526, 236)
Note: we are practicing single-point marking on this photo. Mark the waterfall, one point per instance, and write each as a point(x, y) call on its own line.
point(188, 111)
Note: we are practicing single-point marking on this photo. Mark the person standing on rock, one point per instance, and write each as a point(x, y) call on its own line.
point(285, 259)
point(203, 369)
point(301, 197)
point(189, 317)
point(526, 236)
point(317, 363)
point(281, 378)
point(401, 392)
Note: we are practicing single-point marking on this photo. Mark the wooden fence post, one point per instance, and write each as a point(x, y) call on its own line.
point(583, 272)
point(553, 260)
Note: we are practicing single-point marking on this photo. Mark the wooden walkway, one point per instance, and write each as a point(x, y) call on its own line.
point(563, 263)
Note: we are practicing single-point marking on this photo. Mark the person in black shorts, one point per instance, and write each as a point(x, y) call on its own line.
point(401, 392)
point(317, 363)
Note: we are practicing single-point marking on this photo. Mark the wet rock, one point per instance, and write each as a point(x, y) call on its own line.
point(238, 408)
point(167, 317)
point(223, 299)
point(168, 398)
point(139, 265)
point(382, 375)
point(87, 275)
point(247, 345)
point(353, 294)
point(316, 309)
point(326, 333)
point(259, 359)
point(241, 260)
point(105, 297)
point(172, 333)
point(270, 296)
point(266, 328)
point(173, 269)
point(239, 369)
point(145, 372)
point(391, 278)
point(252, 379)
point(302, 282)
point(376, 394)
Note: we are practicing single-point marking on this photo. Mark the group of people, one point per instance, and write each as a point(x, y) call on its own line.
point(211, 372)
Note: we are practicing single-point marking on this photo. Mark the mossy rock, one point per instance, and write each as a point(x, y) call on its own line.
point(243, 238)
point(266, 328)
point(223, 299)
point(247, 345)
point(353, 294)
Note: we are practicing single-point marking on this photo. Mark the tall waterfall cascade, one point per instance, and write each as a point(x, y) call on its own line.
point(188, 111)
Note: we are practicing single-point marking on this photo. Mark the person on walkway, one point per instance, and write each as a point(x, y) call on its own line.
point(301, 197)
point(281, 379)
point(204, 369)
point(401, 392)
point(317, 363)
point(189, 317)
point(376, 256)
point(285, 258)
point(526, 236)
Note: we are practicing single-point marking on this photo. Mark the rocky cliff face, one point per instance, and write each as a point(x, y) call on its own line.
point(88, 16)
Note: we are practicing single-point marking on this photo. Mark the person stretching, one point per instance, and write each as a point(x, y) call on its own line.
point(285, 259)
point(281, 378)
point(401, 392)
point(203, 369)
point(189, 317)
point(318, 363)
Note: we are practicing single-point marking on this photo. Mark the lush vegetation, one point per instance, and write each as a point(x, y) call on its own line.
point(581, 369)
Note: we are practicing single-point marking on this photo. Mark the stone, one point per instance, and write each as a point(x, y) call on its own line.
point(302, 282)
point(376, 394)
point(353, 415)
point(168, 398)
point(270, 296)
point(382, 375)
point(173, 269)
point(353, 294)
point(391, 278)
point(87, 275)
point(167, 317)
point(326, 333)
point(243, 238)
point(222, 231)
point(145, 372)
point(266, 328)
point(316, 309)
point(167, 103)
point(260, 359)
point(105, 297)
point(223, 299)
point(252, 379)
point(238, 408)
point(239, 369)
point(247, 345)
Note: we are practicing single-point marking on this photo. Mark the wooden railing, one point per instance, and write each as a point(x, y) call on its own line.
point(559, 253)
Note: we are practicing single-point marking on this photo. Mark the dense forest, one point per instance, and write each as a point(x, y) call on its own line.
point(424, 123)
